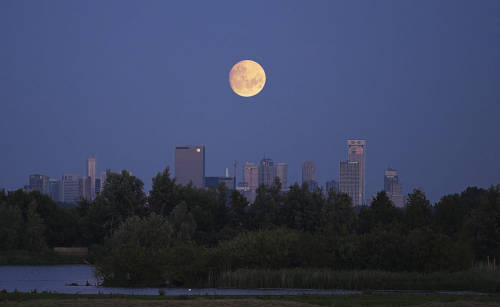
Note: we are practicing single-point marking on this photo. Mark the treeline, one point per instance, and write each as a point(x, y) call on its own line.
point(181, 235)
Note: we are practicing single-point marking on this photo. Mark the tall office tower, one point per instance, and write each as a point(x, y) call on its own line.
point(308, 172)
point(86, 188)
point(104, 176)
point(349, 181)
point(71, 188)
point(39, 183)
point(282, 174)
point(55, 189)
point(250, 181)
point(332, 185)
point(393, 188)
point(357, 153)
point(190, 165)
point(91, 173)
point(267, 172)
point(97, 186)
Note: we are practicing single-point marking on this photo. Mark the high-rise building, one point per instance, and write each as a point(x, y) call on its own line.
point(357, 153)
point(39, 183)
point(71, 188)
point(250, 181)
point(308, 172)
point(393, 188)
point(349, 181)
point(104, 177)
point(86, 188)
point(282, 174)
point(55, 190)
point(267, 172)
point(91, 173)
point(97, 186)
point(190, 165)
point(332, 185)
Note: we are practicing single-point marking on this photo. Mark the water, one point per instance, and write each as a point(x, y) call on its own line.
point(57, 278)
point(26, 278)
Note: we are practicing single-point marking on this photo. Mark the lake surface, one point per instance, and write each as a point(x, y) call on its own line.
point(26, 278)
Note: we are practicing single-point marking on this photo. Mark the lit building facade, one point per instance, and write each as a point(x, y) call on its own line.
point(308, 172)
point(393, 188)
point(267, 172)
point(71, 189)
point(357, 153)
point(349, 181)
point(282, 174)
point(190, 165)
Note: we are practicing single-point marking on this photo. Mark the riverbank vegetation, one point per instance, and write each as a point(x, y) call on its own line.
point(184, 236)
point(395, 299)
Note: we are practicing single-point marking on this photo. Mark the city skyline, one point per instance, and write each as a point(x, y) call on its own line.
point(129, 81)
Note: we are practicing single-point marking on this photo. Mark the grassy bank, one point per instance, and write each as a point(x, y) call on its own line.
point(473, 280)
point(49, 257)
point(51, 299)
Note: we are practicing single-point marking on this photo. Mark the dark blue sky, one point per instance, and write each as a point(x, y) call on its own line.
point(127, 80)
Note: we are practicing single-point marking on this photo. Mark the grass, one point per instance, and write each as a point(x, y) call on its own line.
point(49, 257)
point(473, 280)
point(54, 299)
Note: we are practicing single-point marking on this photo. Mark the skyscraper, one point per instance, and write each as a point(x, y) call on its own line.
point(349, 181)
point(190, 165)
point(267, 172)
point(250, 181)
point(282, 174)
point(71, 188)
point(39, 183)
point(357, 153)
point(393, 188)
point(91, 173)
point(308, 172)
point(55, 190)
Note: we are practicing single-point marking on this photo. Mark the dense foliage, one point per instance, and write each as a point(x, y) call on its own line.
point(184, 235)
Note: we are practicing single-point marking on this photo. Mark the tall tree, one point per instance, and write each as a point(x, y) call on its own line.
point(418, 210)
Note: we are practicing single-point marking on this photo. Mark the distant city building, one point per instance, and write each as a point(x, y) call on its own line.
point(190, 165)
point(331, 185)
point(86, 188)
point(393, 188)
point(216, 181)
point(71, 190)
point(308, 172)
point(267, 172)
point(39, 183)
point(104, 177)
point(250, 181)
point(357, 153)
point(97, 186)
point(91, 173)
point(349, 181)
point(55, 191)
point(282, 174)
point(311, 184)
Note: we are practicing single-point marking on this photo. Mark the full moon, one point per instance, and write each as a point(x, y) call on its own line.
point(247, 78)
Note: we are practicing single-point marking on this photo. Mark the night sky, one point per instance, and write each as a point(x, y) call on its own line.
point(128, 80)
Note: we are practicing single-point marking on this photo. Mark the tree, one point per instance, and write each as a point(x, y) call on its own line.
point(34, 228)
point(418, 210)
point(11, 221)
point(337, 213)
point(183, 223)
point(164, 195)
